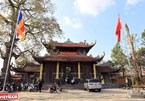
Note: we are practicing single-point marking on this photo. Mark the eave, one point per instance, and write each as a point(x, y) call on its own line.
point(106, 69)
point(68, 58)
point(28, 69)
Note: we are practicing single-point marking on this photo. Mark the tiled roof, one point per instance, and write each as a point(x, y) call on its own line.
point(83, 45)
point(69, 58)
point(99, 69)
point(28, 69)
point(106, 69)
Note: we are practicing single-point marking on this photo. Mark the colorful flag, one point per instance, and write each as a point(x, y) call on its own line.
point(118, 29)
point(20, 27)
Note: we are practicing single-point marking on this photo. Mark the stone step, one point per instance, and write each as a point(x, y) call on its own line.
point(76, 86)
point(110, 85)
point(66, 86)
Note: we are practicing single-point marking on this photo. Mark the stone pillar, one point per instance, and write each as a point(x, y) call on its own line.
point(94, 69)
point(41, 71)
point(103, 79)
point(57, 70)
point(79, 70)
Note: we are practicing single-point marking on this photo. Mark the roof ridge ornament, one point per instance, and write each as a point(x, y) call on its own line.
point(93, 43)
point(100, 57)
point(68, 41)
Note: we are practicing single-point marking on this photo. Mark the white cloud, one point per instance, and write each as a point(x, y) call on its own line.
point(67, 20)
point(75, 22)
point(132, 2)
point(93, 7)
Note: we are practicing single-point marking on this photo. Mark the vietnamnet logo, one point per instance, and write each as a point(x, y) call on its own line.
point(8, 96)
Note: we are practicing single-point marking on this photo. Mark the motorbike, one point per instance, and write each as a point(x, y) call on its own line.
point(54, 88)
point(32, 88)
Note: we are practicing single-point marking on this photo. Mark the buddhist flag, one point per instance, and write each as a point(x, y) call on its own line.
point(118, 30)
point(20, 27)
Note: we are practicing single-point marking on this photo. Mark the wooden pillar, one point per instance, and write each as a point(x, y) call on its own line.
point(41, 71)
point(57, 70)
point(79, 70)
point(94, 69)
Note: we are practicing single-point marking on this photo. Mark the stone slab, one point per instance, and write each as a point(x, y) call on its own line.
point(136, 93)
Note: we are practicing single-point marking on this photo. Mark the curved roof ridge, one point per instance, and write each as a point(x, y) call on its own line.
point(100, 57)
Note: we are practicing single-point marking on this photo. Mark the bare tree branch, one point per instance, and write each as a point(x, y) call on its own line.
point(1, 53)
point(4, 18)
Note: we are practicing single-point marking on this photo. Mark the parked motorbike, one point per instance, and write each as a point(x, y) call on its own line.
point(54, 88)
point(32, 88)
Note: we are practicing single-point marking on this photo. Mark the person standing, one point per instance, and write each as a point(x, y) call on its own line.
point(40, 85)
point(73, 81)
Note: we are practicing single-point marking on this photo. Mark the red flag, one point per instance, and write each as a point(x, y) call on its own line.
point(118, 30)
point(20, 27)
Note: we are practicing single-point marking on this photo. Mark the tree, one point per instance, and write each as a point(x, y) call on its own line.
point(143, 38)
point(40, 27)
point(119, 59)
point(136, 68)
point(141, 56)
point(141, 52)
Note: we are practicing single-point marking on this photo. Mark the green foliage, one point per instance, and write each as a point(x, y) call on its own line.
point(140, 54)
point(119, 59)
point(143, 37)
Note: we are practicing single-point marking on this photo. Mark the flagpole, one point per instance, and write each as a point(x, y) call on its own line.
point(9, 58)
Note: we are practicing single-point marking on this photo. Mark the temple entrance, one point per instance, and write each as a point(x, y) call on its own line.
point(68, 75)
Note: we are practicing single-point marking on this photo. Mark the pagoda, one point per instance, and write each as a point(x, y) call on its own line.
point(68, 60)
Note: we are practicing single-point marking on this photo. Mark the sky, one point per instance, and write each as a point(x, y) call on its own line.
point(96, 20)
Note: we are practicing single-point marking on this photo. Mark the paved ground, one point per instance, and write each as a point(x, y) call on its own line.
point(78, 95)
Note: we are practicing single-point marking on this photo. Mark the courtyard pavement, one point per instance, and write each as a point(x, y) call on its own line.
point(78, 95)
